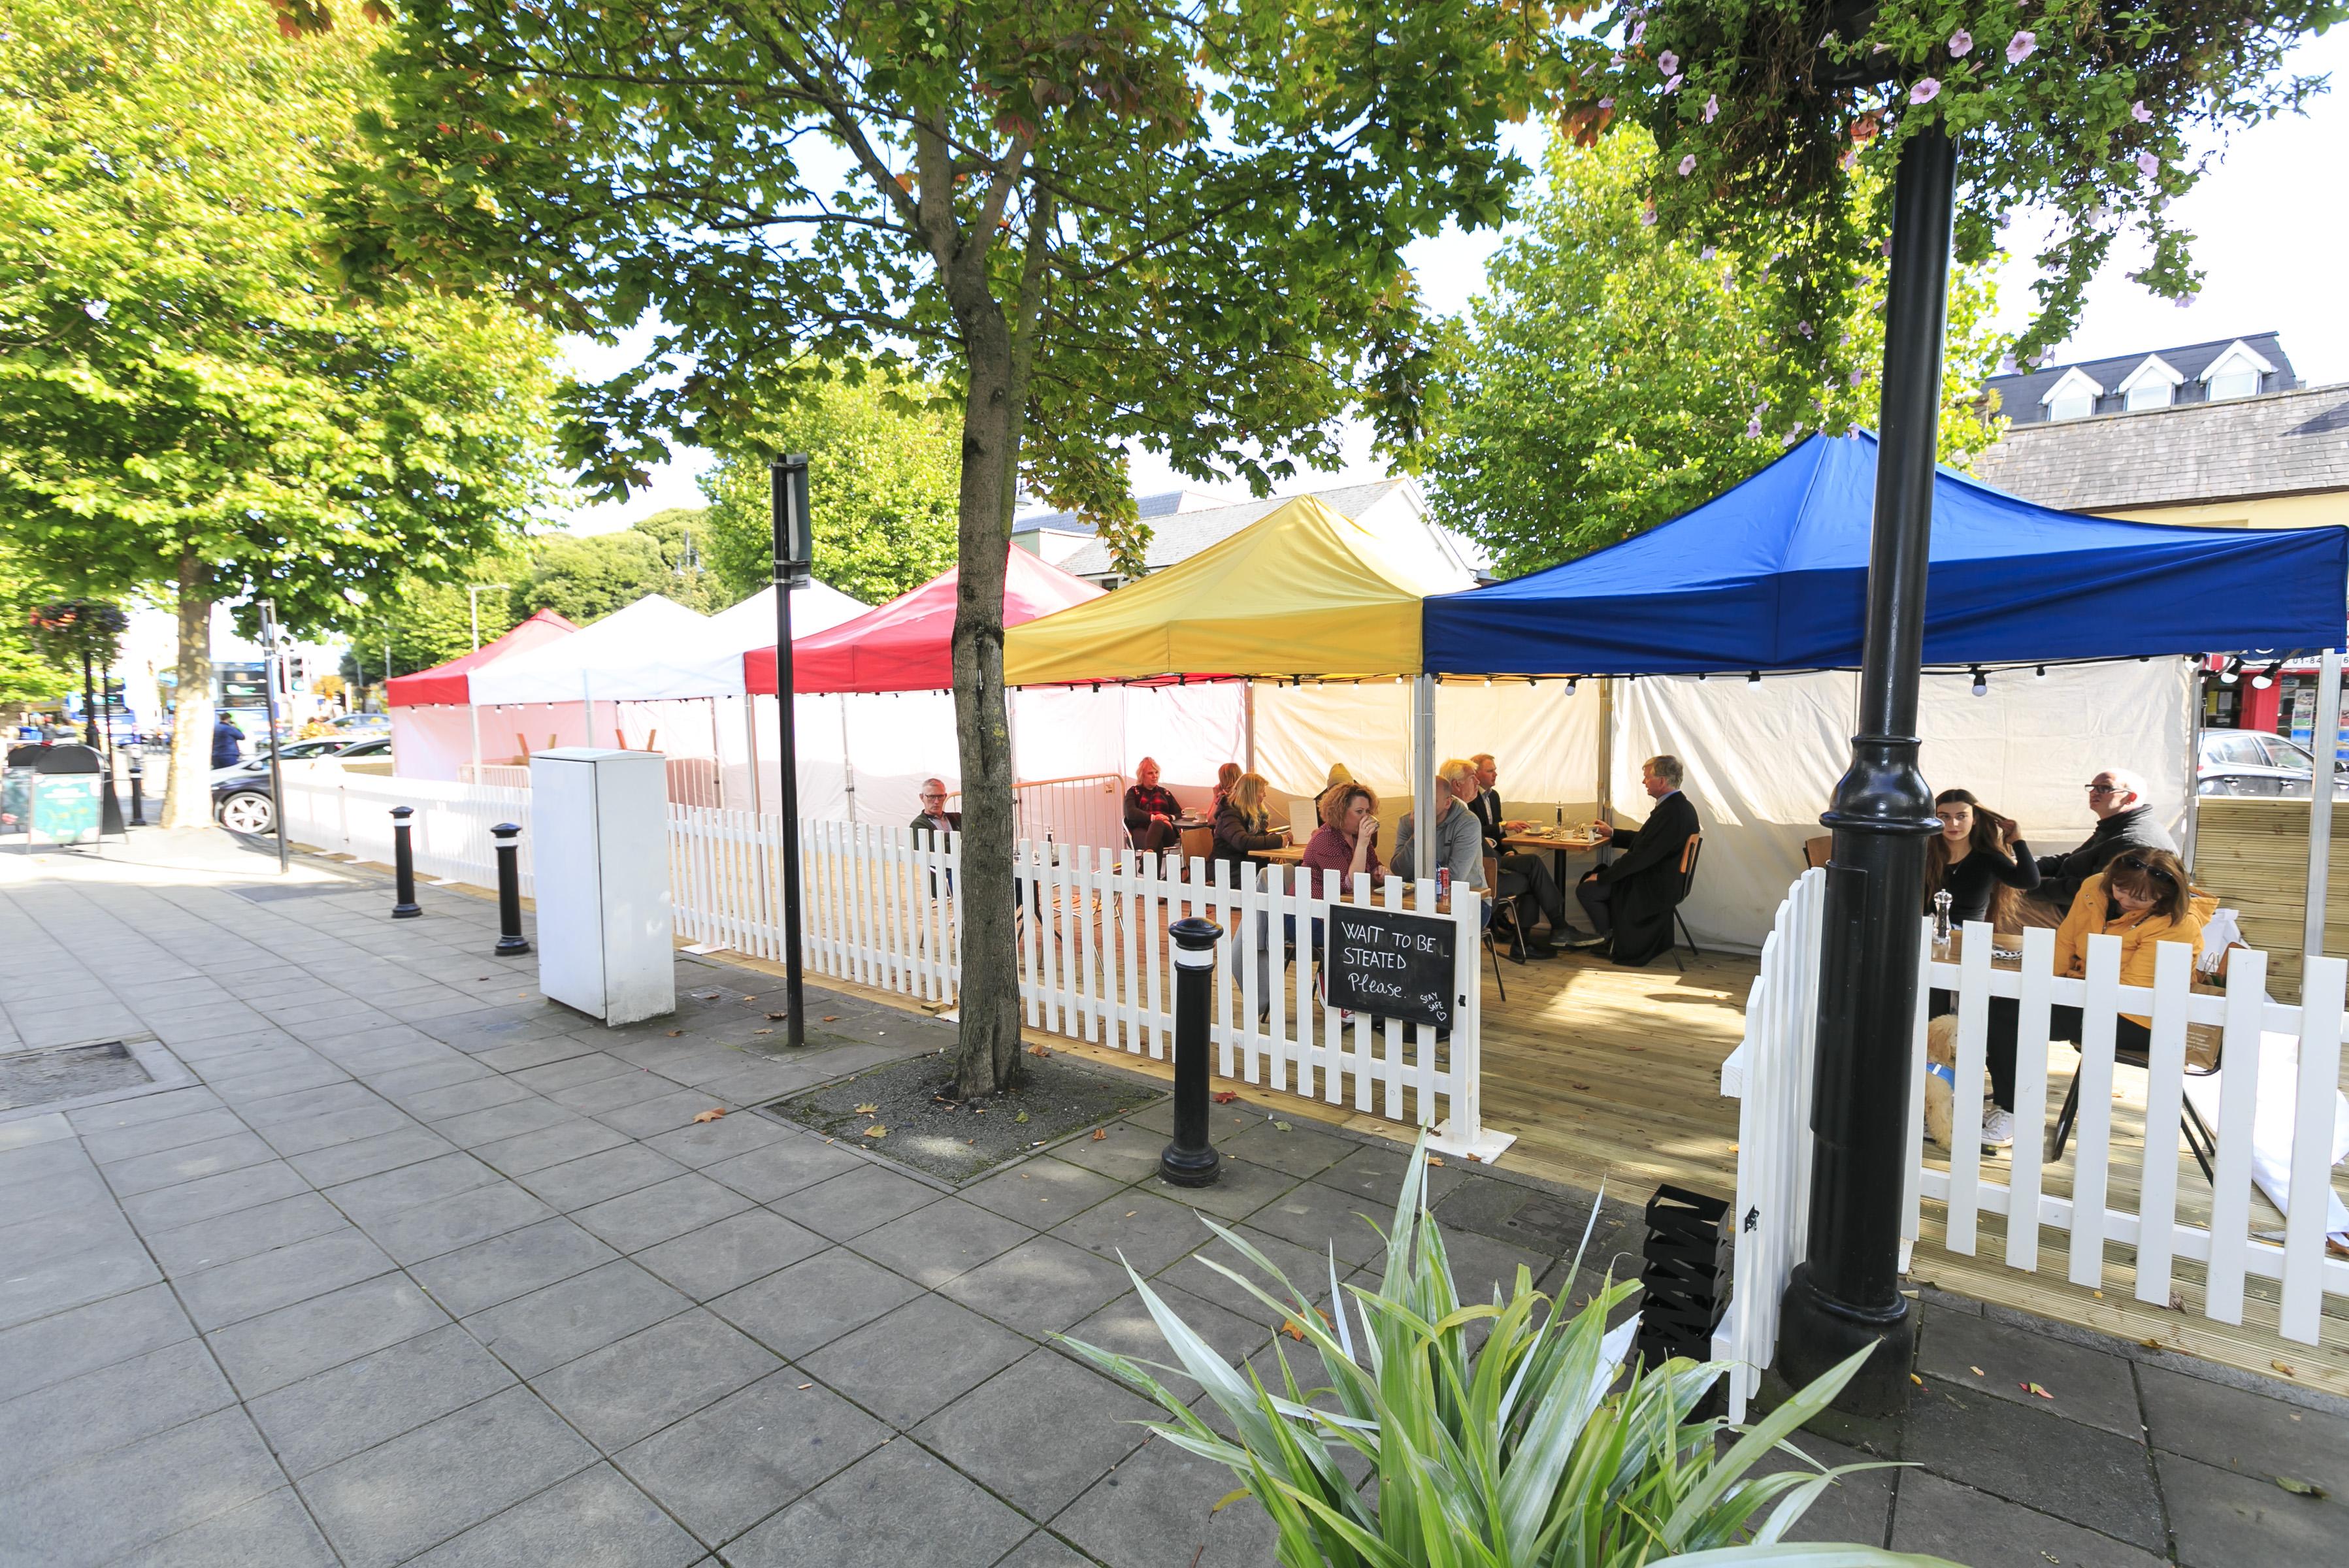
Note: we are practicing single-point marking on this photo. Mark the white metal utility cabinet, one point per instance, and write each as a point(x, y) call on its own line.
point(599, 827)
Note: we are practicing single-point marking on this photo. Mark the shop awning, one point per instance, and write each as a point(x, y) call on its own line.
point(1302, 592)
point(1773, 575)
point(907, 643)
point(450, 683)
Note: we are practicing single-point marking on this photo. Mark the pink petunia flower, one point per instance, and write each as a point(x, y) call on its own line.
point(1858, 376)
point(1672, 83)
point(1667, 62)
point(2186, 301)
point(1804, 327)
point(1791, 437)
point(1606, 103)
point(1707, 254)
point(1850, 159)
point(2147, 164)
point(1962, 43)
point(1688, 165)
point(2021, 46)
point(1638, 31)
point(2139, 113)
point(1648, 216)
point(1752, 429)
point(1925, 91)
point(1712, 107)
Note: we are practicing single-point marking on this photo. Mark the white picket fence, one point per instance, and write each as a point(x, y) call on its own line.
point(1772, 1072)
point(350, 814)
point(882, 907)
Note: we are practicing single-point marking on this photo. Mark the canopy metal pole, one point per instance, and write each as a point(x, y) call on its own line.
point(750, 736)
point(1423, 775)
point(1607, 749)
point(1845, 1297)
point(2193, 755)
point(2324, 746)
point(1247, 728)
point(847, 762)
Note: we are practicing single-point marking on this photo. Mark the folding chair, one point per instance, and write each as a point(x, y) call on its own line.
point(1687, 881)
point(1493, 881)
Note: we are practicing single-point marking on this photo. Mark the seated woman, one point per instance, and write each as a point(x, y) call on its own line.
point(1225, 777)
point(1347, 839)
point(1979, 860)
point(1244, 821)
point(2144, 898)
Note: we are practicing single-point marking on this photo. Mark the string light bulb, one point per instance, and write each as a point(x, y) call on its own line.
point(1981, 682)
point(2232, 673)
point(2043, 671)
point(2267, 677)
point(1753, 678)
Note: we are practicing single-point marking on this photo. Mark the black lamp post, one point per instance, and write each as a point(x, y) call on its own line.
point(795, 555)
point(1846, 1295)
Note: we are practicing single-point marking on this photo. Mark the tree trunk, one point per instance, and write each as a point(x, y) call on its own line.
point(188, 801)
point(988, 1055)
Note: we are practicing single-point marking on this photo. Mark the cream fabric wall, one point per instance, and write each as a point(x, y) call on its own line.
point(1762, 762)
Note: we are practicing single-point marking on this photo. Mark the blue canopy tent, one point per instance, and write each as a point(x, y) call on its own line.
point(1773, 575)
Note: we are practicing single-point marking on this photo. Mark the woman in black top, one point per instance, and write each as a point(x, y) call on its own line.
point(1244, 820)
point(1979, 859)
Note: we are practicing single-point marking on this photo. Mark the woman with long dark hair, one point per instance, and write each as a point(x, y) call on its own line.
point(1979, 860)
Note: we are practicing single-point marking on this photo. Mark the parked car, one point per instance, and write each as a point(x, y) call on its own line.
point(356, 724)
point(2251, 763)
point(292, 751)
point(241, 800)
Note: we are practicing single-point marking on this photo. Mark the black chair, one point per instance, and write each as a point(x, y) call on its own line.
point(2198, 1136)
point(1516, 918)
point(1689, 852)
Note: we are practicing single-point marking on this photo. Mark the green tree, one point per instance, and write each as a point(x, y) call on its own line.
point(188, 403)
point(884, 466)
point(681, 535)
point(1098, 222)
point(1773, 115)
point(586, 578)
point(30, 671)
point(1612, 376)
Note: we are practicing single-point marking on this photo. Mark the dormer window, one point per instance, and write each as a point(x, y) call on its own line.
point(2152, 385)
point(2073, 398)
point(2237, 373)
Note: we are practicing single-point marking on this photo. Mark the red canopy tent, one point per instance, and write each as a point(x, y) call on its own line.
point(907, 644)
point(452, 683)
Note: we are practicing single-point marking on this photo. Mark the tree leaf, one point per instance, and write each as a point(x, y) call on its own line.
point(712, 1114)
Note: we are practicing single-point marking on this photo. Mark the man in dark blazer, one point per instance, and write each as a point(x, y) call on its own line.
point(1630, 901)
point(1523, 876)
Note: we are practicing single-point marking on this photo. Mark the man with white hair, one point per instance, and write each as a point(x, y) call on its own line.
point(2125, 821)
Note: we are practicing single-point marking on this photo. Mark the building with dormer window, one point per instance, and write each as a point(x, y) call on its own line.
point(2215, 371)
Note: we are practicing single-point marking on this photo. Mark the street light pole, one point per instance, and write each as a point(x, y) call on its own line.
point(1846, 1295)
point(795, 555)
point(271, 662)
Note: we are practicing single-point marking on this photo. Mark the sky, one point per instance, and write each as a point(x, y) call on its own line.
point(2271, 237)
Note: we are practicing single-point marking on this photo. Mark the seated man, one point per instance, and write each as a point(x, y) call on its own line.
point(1631, 901)
point(2124, 821)
point(1524, 876)
point(1149, 812)
point(1459, 845)
point(934, 817)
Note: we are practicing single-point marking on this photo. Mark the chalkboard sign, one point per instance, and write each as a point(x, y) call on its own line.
point(1390, 965)
point(65, 806)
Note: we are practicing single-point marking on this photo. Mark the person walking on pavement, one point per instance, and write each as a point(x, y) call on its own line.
point(228, 742)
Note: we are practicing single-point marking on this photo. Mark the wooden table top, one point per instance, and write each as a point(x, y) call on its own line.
point(1286, 855)
point(1552, 839)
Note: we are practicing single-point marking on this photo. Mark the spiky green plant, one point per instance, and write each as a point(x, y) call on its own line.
point(1538, 1448)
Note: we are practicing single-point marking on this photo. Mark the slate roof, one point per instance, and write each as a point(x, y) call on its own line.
point(1178, 536)
point(2018, 396)
point(1162, 504)
point(2281, 443)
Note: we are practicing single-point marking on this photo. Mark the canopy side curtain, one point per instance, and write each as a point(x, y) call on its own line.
point(1544, 737)
point(1762, 762)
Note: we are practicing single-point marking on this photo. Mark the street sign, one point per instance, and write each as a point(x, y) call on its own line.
point(1390, 965)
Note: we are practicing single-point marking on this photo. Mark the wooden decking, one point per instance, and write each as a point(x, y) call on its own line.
point(1612, 1076)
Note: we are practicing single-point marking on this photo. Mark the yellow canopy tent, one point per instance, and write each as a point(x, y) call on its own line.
point(1301, 592)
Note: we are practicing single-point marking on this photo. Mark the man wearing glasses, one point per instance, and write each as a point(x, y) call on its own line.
point(934, 817)
point(2124, 821)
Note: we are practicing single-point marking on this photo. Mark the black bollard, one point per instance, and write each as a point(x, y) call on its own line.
point(1191, 1160)
point(403, 866)
point(138, 782)
point(510, 937)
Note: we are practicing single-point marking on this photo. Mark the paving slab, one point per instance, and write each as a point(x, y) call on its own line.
point(2041, 1460)
point(635, 1387)
point(1077, 1423)
point(2223, 1519)
point(346, 1409)
point(803, 1307)
point(565, 1321)
point(725, 1256)
point(898, 1506)
point(595, 1519)
point(751, 1454)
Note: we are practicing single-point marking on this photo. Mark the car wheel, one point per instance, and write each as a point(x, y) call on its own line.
point(248, 811)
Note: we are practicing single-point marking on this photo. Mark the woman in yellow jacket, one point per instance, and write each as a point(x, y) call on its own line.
point(2144, 898)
